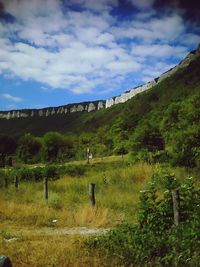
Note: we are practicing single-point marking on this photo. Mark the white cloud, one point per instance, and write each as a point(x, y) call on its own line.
point(159, 51)
point(84, 50)
point(155, 70)
point(12, 98)
point(191, 39)
point(165, 29)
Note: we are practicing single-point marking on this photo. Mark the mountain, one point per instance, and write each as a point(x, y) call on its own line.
point(129, 108)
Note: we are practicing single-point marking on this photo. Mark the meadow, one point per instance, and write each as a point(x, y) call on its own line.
point(25, 215)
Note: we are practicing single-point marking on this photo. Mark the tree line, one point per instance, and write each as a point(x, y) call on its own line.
point(168, 134)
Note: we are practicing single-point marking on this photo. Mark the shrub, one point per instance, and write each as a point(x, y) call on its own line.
point(150, 157)
point(75, 170)
point(24, 174)
point(52, 172)
point(155, 240)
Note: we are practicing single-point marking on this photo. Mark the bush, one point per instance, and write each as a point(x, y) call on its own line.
point(4, 174)
point(52, 171)
point(75, 170)
point(24, 174)
point(37, 174)
point(155, 240)
point(151, 157)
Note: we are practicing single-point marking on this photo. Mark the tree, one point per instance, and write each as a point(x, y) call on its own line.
point(7, 147)
point(29, 148)
point(57, 147)
point(186, 147)
point(147, 137)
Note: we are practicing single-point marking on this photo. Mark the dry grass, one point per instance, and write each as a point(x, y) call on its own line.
point(46, 251)
point(116, 197)
point(117, 192)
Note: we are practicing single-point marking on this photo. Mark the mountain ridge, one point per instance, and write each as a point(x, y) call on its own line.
point(89, 106)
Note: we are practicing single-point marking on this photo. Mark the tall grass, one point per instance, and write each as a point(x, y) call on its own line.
point(117, 192)
point(116, 198)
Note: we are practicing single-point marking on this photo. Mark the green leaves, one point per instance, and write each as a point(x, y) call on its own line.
point(155, 240)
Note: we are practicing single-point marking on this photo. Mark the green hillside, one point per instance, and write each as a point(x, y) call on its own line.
point(159, 119)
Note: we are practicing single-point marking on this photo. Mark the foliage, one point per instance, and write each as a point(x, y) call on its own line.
point(155, 240)
point(186, 147)
point(50, 171)
point(74, 170)
point(36, 173)
point(147, 137)
point(7, 145)
point(29, 148)
point(56, 147)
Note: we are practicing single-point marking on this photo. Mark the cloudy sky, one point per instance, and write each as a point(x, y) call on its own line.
point(54, 52)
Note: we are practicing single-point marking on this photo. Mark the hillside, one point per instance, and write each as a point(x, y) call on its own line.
point(183, 83)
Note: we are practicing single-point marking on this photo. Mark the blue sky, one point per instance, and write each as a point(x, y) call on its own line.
point(54, 52)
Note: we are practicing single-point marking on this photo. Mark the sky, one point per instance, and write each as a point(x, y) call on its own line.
point(55, 52)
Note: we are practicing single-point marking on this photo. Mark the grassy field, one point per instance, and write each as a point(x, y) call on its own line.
point(25, 212)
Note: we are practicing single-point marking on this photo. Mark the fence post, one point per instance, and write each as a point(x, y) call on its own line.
point(176, 205)
point(92, 194)
point(16, 183)
point(46, 195)
point(6, 182)
point(88, 155)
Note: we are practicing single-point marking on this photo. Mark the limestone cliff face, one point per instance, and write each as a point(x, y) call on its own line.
point(97, 105)
point(45, 112)
point(129, 94)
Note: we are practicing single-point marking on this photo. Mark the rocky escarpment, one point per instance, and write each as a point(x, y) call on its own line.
point(97, 105)
point(131, 93)
point(45, 112)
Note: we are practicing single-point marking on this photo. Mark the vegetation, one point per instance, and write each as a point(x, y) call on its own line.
point(161, 124)
point(146, 229)
point(158, 129)
point(25, 213)
point(155, 240)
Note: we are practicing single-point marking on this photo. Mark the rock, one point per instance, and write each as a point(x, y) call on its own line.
point(47, 113)
point(5, 261)
point(53, 111)
point(91, 107)
point(40, 113)
point(101, 105)
point(79, 108)
point(110, 102)
point(73, 109)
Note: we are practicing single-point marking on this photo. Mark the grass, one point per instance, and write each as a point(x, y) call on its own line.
point(23, 212)
point(46, 251)
point(116, 197)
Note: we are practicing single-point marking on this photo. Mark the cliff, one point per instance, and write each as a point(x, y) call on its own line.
point(129, 94)
point(100, 104)
point(45, 112)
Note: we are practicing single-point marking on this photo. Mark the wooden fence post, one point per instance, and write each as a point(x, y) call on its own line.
point(16, 183)
point(92, 194)
point(46, 195)
point(176, 205)
point(88, 155)
point(6, 182)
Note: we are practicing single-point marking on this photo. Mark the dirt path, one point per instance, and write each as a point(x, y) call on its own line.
point(15, 233)
point(71, 231)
